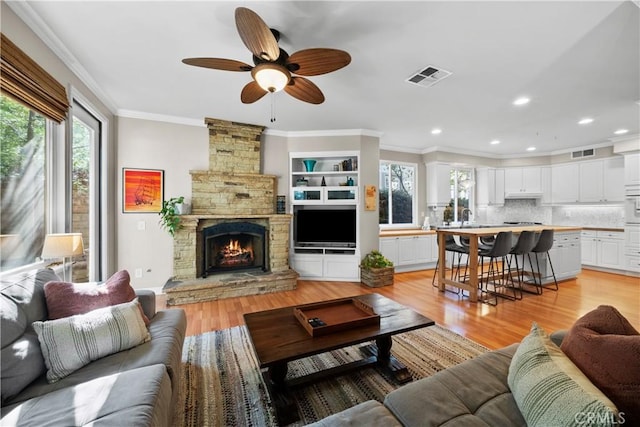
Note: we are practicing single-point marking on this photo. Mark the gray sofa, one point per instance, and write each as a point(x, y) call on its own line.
point(135, 387)
point(473, 393)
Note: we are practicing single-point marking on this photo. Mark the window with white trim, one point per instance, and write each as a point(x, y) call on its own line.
point(397, 201)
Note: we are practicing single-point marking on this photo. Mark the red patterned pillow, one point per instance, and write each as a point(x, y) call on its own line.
point(606, 348)
point(68, 299)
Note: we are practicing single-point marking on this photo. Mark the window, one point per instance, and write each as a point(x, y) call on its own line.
point(397, 193)
point(462, 201)
point(23, 184)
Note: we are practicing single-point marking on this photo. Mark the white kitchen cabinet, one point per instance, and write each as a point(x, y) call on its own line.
point(603, 248)
point(523, 182)
point(438, 184)
point(565, 183)
point(410, 253)
point(632, 247)
point(601, 180)
point(489, 187)
point(545, 172)
point(564, 255)
point(632, 169)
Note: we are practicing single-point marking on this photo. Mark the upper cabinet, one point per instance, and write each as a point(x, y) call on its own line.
point(593, 181)
point(489, 187)
point(602, 180)
point(632, 169)
point(324, 178)
point(438, 184)
point(565, 186)
point(523, 182)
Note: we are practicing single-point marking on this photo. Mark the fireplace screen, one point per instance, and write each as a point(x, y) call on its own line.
point(233, 246)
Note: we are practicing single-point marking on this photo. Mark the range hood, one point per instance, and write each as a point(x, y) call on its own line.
point(521, 195)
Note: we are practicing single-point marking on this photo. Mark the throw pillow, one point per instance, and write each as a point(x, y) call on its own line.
point(605, 346)
point(68, 299)
point(72, 342)
point(550, 390)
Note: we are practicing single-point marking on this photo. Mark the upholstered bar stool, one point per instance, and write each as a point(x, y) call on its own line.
point(524, 245)
point(496, 273)
point(544, 244)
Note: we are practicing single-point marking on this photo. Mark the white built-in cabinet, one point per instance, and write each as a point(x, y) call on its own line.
point(335, 170)
point(409, 253)
point(632, 169)
point(632, 247)
point(593, 181)
point(565, 183)
point(489, 187)
point(602, 180)
point(545, 173)
point(602, 248)
point(523, 182)
point(565, 256)
point(438, 184)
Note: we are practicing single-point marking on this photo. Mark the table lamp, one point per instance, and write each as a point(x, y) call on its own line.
point(62, 245)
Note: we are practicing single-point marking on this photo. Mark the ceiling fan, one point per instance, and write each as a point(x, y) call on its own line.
point(273, 67)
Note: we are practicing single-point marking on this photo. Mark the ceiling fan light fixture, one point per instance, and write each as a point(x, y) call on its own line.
point(271, 77)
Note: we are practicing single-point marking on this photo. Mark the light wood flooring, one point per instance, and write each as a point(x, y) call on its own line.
point(491, 326)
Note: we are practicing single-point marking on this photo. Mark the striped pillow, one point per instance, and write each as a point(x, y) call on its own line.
point(70, 343)
point(550, 390)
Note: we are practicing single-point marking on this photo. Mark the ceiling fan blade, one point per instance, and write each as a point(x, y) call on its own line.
point(218, 64)
point(251, 93)
point(256, 35)
point(313, 62)
point(304, 90)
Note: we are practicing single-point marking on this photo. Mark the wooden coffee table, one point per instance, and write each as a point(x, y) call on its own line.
point(278, 337)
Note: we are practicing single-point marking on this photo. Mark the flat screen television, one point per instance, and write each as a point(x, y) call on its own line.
point(325, 227)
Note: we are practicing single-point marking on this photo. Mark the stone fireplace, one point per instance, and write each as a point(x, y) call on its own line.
point(232, 243)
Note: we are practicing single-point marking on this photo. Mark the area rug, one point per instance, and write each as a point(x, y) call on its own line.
point(222, 384)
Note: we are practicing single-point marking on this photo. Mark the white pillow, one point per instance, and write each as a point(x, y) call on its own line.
point(72, 342)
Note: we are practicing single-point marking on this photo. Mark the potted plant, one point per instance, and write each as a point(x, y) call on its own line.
point(170, 214)
point(376, 270)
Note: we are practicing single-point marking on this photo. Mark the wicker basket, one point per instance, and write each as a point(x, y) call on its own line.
point(377, 277)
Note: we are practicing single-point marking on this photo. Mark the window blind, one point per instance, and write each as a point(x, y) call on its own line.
point(24, 80)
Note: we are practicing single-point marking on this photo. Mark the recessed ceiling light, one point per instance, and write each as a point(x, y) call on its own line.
point(621, 131)
point(585, 121)
point(495, 142)
point(531, 149)
point(436, 131)
point(521, 101)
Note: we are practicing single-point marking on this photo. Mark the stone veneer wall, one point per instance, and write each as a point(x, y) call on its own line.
point(232, 190)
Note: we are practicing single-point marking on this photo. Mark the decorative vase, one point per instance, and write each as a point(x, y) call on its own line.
point(309, 164)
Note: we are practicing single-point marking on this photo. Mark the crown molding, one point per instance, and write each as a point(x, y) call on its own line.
point(44, 32)
point(315, 133)
point(401, 149)
point(131, 114)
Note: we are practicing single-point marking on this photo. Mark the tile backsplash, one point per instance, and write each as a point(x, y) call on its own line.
point(530, 210)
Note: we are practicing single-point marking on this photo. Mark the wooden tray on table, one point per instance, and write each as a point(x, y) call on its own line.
point(326, 317)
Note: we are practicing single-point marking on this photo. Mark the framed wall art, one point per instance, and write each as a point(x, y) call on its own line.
point(142, 190)
point(370, 192)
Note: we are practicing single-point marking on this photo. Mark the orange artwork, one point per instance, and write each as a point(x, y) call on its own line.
point(370, 197)
point(142, 190)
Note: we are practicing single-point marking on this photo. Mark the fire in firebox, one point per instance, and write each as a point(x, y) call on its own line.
point(234, 254)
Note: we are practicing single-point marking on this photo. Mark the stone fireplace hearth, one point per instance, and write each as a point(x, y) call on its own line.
point(231, 198)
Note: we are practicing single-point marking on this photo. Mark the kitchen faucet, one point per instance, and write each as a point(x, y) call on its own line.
point(462, 215)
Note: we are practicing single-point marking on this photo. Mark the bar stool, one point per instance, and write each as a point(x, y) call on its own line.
point(450, 245)
point(524, 245)
point(544, 244)
point(499, 251)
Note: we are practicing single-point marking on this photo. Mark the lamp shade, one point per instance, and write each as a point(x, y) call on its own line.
point(271, 77)
point(62, 245)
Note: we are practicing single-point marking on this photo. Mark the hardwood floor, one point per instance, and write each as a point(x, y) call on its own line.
point(491, 326)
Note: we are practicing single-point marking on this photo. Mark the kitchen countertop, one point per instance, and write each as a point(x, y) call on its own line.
point(620, 229)
point(406, 232)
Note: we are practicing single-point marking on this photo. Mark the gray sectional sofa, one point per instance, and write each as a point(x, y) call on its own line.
point(135, 387)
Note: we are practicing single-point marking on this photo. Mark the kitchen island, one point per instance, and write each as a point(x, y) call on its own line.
point(565, 253)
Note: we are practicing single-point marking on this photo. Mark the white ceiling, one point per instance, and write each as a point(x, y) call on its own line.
point(573, 59)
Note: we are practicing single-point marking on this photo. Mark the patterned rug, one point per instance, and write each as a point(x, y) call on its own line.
point(223, 386)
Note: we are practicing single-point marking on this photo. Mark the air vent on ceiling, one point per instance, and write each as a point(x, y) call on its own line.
point(428, 76)
point(583, 153)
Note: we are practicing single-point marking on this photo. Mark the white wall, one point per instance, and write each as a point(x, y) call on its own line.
point(176, 149)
